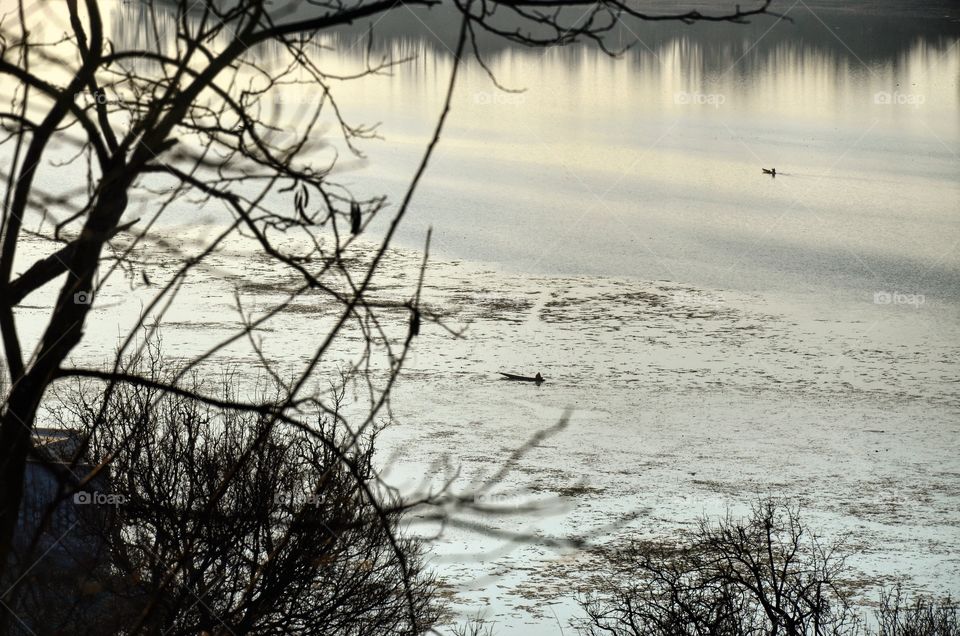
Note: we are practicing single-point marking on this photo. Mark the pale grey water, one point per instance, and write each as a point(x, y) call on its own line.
point(610, 226)
point(649, 166)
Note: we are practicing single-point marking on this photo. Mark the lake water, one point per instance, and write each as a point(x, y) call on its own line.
point(766, 359)
point(649, 165)
point(716, 333)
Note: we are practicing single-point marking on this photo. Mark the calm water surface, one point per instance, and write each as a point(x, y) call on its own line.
point(610, 224)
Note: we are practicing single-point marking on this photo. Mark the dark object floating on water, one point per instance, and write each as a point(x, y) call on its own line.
point(771, 171)
point(415, 323)
point(355, 217)
point(537, 379)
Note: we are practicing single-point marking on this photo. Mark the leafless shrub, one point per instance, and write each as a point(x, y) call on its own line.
point(921, 616)
point(473, 627)
point(225, 524)
point(765, 574)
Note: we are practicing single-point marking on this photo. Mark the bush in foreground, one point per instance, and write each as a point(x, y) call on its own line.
point(899, 616)
point(219, 521)
point(765, 575)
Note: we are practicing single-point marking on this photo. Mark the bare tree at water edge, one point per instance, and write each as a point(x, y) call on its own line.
point(766, 573)
point(182, 120)
point(292, 543)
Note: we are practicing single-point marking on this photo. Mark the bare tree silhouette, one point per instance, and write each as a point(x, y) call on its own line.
point(291, 542)
point(182, 110)
point(763, 574)
point(767, 573)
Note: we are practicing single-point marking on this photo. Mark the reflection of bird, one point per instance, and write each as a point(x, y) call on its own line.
point(772, 172)
point(354, 218)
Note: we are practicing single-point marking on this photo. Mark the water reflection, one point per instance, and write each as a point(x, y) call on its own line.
point(877, 33)
point(649, 165)
point(816, 64)
point(646, 164)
